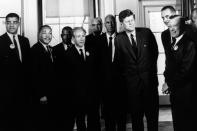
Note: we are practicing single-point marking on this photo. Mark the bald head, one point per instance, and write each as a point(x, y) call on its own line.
point(110, 24)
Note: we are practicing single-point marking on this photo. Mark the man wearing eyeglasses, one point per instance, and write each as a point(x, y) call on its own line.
point(14, 50)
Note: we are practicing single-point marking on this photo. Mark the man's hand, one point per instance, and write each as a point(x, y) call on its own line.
point(165, 89)
point(43, 100)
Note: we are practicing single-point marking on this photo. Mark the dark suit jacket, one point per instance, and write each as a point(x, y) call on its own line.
point(12, 70)
point(141, 68)
point(42, 72)
point(80, 75)
point(179, 71)
point(61, 72)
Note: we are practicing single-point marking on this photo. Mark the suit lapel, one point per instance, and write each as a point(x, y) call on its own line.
point(128, 45)
point(139, 41)
point(8, 39)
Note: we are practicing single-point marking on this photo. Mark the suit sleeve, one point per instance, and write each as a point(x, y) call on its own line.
point(154, 49)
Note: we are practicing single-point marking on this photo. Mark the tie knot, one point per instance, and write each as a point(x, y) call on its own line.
point(110, 38)
point(131, 35)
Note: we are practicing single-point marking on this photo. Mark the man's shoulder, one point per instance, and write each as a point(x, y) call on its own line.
point(3, 36)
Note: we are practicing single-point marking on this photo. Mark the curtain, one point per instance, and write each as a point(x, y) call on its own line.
point(66, 8)
point(186, 7)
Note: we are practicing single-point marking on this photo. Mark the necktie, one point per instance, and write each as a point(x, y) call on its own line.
point(173, 44)
point(16, 47)
point(134, 46)
point(110, 49)
point(82, 55)
point(49, 52)
point(173, 41)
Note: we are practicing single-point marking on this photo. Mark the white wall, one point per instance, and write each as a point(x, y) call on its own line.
point(31, 20)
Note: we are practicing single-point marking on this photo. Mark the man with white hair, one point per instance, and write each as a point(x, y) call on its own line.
point(179, 73)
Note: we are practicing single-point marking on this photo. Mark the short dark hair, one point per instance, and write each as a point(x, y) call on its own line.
point(12, 15)
point(171, 8)
point(125, 13)
point(44, 26)
point(110, 16)
point(68, 28)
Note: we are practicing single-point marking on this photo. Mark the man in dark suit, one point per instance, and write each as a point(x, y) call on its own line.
point(179, 73)
point(62, 97)
point(42, 83)
point(136, 58)
point(14, 51)
point(79, 62)
point(94, 43)
point(113, 106)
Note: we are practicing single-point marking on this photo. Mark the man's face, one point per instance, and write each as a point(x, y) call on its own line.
point(79, 38)
point(174, 27)
point(129, 23)
point(96, 26)
point(110, 25)
point(12, 24)
point(165, 15)
point(45, 35)
point(66, 36)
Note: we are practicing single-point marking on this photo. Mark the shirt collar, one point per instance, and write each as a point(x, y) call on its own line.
point(11, 35)
point(78, 48)
point(45, 46)
point(179, 37)
point(133, 33)
point(113, 35)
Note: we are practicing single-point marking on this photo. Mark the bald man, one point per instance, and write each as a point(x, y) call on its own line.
point(179, 73)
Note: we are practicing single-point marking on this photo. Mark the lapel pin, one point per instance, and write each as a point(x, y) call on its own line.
point(12, 46)
point(87, 53)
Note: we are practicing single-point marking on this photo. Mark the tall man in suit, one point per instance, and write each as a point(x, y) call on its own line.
point(14, 51)
point(179, 73)
point(42, 83)
point(112, 92)
point(79, 62)
point(136, 58)
point(62, 97)
point(94, 43)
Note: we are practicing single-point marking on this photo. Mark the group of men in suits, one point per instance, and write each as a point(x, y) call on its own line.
point(99, 68)
point(113, 74)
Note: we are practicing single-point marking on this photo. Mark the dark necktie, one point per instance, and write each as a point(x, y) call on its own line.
point(110, 49)
point(134, 46)
point(173, 47)
point(49, 52)
point(82, 55)
point(16, 47)
point(173, 41)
